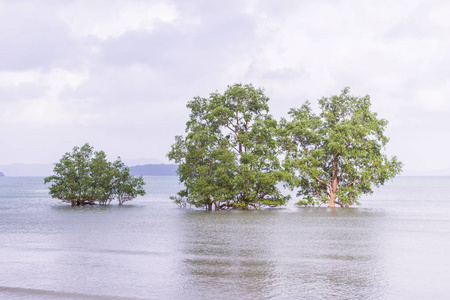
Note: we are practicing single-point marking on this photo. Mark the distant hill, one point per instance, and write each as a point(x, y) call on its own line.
point(47, 170)
point(14, 170)
point(27, 169)
point(154, 170)
point(142, 161)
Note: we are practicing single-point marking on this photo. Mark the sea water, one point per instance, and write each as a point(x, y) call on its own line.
point(394, 245)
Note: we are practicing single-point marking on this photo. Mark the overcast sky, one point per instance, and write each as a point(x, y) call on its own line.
point(118, 74)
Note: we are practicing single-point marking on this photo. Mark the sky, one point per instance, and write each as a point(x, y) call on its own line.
point(118, 74)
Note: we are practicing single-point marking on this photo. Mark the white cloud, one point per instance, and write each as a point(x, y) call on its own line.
point(434, 99)
point(110, 19)
point(119, 73)
point(8, 78)
point(46, 108)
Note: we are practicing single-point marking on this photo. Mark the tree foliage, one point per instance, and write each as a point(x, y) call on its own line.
point(229, 156)
point(338, 154)
point(85, 176)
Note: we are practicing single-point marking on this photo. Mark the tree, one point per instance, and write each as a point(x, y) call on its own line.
point(124, 186)
point(229, 157)
point(338, 154)
point(85, 176)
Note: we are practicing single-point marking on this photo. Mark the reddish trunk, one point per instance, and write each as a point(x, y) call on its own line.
point(334, 183)
point(333, 192)
point(332, 202)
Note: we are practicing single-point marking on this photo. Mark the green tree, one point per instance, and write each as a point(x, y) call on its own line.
point(125, 187)
point(85, 176)
point(101, 176)
point(337, 155)
point(229, 157)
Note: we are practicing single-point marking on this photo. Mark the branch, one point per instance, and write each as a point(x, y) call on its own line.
point(339, 203)
point(323, 182)
point(355, 180)
point(231, 129)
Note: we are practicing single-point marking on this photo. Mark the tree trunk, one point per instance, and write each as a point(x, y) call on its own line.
point(333, 191)
point(332, 202)
point(209, 206)
point(334, 183)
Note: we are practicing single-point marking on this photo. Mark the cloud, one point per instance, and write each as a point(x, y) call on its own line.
point(111, 19)
point(33, 97)
point(31, 38)
point(119, 73)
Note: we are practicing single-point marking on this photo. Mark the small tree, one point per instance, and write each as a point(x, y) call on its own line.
point(125, 186)
point(85, 176)
point(338, 155)
point(229, 157)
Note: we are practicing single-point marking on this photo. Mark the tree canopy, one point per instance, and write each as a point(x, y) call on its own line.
point(338, 154)
point(85, 176)
point(229, 156)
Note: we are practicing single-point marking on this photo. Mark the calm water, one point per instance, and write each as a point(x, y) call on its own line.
point(394, 246)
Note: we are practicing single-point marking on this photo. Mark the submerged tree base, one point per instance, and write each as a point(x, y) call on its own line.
point(83, 203)
point(184, 202)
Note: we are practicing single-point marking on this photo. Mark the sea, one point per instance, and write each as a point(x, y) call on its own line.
point(395, 245)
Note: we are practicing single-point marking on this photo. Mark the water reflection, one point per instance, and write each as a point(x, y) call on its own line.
point(309, 253)
point(226, 254)
point(115, 251)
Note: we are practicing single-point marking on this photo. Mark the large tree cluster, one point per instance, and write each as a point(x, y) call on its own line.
point(338, 154)
point(85, 176)
point(230, 155)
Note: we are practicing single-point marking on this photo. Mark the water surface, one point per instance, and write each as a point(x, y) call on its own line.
point(394, 246)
